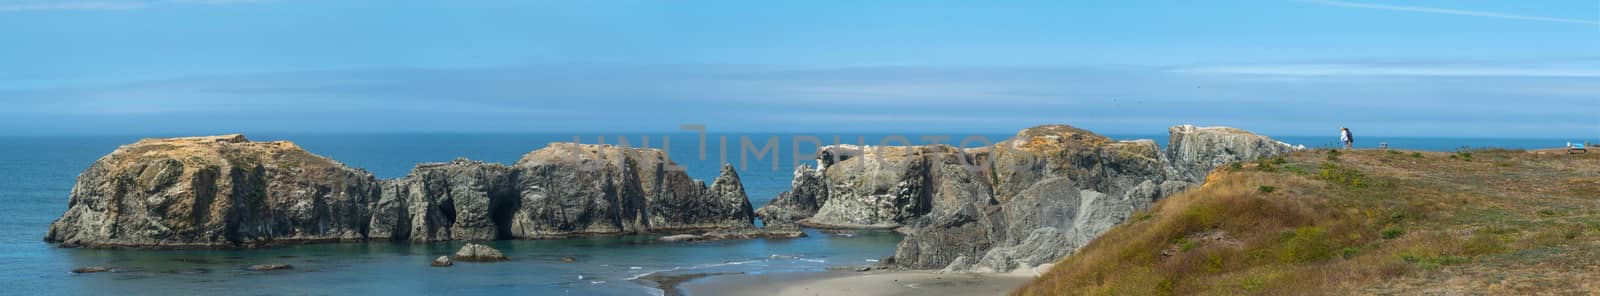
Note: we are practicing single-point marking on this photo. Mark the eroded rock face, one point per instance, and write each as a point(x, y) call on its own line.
point(723, 205)
point(1058, 187)
point(949, 236)
point(1194, 151)
point(445, 201)
point(806, 194)
point(1025, 201)
point(227, 191)
point(569, 188)
point(214, 191)
point(887, 187)
point(1055, 188)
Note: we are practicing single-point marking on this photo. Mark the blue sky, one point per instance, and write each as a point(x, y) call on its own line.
point(1382, 67)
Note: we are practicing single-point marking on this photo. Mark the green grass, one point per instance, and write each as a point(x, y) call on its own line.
point(1337, 175)
point(1334, 222)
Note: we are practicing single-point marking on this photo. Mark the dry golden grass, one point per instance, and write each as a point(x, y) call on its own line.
point(1363, 222)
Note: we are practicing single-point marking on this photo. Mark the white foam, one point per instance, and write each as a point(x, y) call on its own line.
point(647, 273)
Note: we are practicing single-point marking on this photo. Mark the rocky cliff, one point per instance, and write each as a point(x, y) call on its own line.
point(1028, 200)
point(226, 191)
point(1193, 151)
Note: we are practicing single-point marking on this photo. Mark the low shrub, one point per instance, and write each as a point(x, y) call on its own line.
point(1392, 233)
point(1304, 244)
point(1332, 173)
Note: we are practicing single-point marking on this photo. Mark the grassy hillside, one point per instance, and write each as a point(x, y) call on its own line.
point(1364, 222)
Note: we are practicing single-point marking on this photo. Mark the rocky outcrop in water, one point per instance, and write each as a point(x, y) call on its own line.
point(479, 253)
point(209, 191)
point(226, 191)
point(268, 267)
point(92, 269)
point(806, 194)
point(771, 231)
point(1028, 200)
point(445, 201)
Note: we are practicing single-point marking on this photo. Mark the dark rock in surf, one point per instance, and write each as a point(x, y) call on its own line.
point(479, 253)
point(92, 269)
point(268, 267)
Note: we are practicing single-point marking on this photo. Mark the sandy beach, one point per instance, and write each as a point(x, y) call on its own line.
point(918, 282)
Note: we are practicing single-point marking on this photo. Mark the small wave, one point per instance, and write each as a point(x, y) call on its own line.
point(710, 265)
point(648, 273)
point(694, 267)
point(872, 260)
point(597, 282)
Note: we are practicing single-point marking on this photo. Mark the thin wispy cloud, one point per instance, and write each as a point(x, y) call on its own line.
point(761, 98)
point(1472, 13)
point(20, 6)
point(1388, 70)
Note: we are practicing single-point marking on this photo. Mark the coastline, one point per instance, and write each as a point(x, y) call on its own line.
point(841, 282)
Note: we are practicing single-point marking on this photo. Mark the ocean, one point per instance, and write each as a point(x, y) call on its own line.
point(37, 173)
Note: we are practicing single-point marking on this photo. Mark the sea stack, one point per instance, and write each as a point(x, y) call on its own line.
point(228, 191)
point(214, 191)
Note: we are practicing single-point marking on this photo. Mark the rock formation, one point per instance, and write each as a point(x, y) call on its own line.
point(92, 269)
point(1193, 151)
point(478, 253)
point(226, 191)
point(1028, 200)
point(1025, 201)
point(268, 267)
point(878, 187)
point(444, 201)
point(806, 194)
point(771, 231)
point(206, 191)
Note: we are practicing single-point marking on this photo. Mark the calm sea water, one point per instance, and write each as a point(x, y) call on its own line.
point(36, 174)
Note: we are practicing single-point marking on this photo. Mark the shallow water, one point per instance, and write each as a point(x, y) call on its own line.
point(36, 174)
